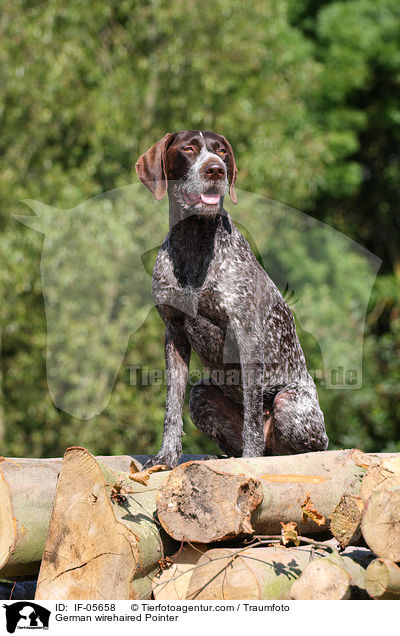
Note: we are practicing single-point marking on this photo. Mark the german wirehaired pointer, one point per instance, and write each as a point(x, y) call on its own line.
point(214, 296)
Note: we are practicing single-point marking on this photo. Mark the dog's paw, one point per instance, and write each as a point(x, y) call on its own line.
point(170, 460)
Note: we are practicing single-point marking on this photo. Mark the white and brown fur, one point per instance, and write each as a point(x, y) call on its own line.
point(215, 297)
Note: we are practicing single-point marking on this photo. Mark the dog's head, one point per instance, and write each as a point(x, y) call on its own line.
point(196, 167)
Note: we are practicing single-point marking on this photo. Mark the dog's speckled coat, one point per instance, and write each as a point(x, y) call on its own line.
point(214, 296)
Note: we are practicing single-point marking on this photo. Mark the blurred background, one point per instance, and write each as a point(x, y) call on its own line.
point(307, 92)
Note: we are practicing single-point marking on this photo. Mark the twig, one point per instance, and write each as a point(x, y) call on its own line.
point(257, 540)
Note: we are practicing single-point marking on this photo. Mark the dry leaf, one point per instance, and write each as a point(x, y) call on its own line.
point(143, 476)
point(134, 467)
point(289, 533)
point(118, 491)
point(309, 512)
point(140, 478)
point(156, 469)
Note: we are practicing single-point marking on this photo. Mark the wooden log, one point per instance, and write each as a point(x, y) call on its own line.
point(381, 475)
point(26, 497)
point(103, 542)
point(254, 573)
point(383, 579)
point(27, 488)
point(381, 523)
point(321, 580)
point(173, 582)
point(211, 504)
point(221, 575)
point(346, 520)
point(354, 562)
point(383, 472)
point(218, 499)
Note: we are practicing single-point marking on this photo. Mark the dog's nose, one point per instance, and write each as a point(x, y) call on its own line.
point(213, 170)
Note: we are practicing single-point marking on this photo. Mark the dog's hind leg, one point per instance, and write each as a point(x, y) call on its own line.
point(298, 422)
point(217, 416)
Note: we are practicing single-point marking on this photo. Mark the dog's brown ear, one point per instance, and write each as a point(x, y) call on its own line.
point(232, 171)
point(151, 167)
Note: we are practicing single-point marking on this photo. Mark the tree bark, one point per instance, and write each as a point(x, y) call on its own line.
point(381, 523)
point(382, 579)
point(101, 543)
point(218, 499)
point(26, 497)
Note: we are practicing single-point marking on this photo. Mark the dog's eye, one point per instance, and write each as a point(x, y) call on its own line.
point(221, 151)
point(188, 149)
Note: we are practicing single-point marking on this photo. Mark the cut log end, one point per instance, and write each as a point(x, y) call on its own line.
point(321, 580)
point(381, 476)
point(382, 580)
point(199, 504)
point(88, 554)
point(254, 573)
point(173, 582)
point(381, 523)
point(346, 520)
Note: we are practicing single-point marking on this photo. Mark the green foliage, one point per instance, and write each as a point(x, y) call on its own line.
point(306, 91)
point(370, 417)
point(357, 43)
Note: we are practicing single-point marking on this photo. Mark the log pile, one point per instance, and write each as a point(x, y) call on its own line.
point(348, 497)
point(313, 526)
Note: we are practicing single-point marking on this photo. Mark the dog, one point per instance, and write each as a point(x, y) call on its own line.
point(214, 297)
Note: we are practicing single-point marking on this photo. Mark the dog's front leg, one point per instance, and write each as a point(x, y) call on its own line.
point(253, 425)
point(177, 358)
point(251, 357)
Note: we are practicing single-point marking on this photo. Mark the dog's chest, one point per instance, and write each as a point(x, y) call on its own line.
point(201, 286)
point(205, 326)
point(201, 310)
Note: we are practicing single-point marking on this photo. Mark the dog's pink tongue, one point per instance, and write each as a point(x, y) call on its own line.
point(210, 199)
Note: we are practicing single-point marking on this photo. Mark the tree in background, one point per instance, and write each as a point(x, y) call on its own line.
point(358, 45)
point(305, 96)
